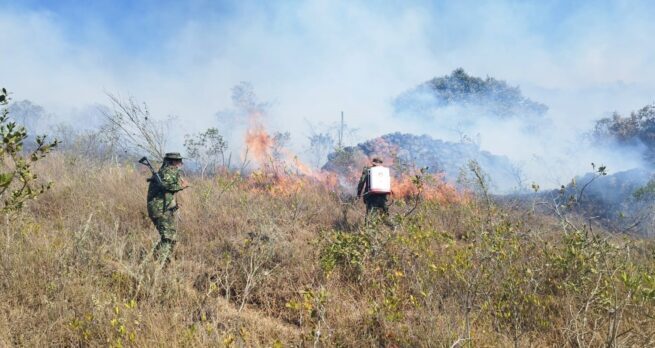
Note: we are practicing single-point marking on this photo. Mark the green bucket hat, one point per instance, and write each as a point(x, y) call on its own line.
point(173, 156)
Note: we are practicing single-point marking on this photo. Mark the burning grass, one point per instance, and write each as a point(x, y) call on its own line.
point(431, 188)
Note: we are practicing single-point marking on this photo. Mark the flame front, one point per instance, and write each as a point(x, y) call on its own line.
point(286, 174)
point(431, 188)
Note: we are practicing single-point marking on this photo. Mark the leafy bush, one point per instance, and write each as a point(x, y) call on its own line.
point(18, 182)
point(636, 129)
point(494, 96)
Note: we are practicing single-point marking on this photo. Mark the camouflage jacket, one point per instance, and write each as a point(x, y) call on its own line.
point(162, 197)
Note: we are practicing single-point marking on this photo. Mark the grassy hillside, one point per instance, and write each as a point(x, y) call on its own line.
point(277, 261)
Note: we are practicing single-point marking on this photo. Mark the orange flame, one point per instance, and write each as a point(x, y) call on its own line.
point(283, 176)
point(288, 175)
point(259, 144)
point(431, 188)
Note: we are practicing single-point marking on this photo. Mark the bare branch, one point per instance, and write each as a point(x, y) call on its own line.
point(138, 130)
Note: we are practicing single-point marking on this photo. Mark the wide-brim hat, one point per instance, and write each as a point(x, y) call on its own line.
point(173, 156)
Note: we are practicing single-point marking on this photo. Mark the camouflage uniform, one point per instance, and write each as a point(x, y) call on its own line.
point(162, 207)
point(376, 203)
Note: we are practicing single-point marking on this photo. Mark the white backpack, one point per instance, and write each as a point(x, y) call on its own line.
point(379, 180)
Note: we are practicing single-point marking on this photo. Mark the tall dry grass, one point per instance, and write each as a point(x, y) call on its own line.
point(262, 265)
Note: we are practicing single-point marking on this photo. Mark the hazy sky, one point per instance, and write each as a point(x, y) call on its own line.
point(313, 59)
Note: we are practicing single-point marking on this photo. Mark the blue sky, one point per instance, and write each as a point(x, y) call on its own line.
point(149, 32)
point(131, 26)
point(543, 46)
point(312, 59)
point(140, 26)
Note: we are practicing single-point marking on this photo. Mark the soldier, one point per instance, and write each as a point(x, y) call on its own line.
point(162, 204)
point(376, 203)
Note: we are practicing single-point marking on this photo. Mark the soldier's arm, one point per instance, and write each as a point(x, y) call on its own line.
point(182, 180)
point(362, 183)
point(184, 183)
point(172, 181)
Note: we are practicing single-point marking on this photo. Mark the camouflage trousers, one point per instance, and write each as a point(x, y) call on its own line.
point(165, 224)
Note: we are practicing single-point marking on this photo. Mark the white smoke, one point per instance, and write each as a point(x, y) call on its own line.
point(316, 58)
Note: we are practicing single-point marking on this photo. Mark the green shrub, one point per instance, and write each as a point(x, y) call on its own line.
point(17, 180)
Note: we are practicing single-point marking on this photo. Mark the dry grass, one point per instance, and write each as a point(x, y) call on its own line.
point(260, 265)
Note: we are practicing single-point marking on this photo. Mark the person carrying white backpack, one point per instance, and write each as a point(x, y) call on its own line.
point(375, 187)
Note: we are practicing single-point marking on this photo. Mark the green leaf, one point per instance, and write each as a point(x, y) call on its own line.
point(5, 179)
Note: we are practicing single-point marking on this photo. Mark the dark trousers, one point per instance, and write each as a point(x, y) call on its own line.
point(376, 205)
